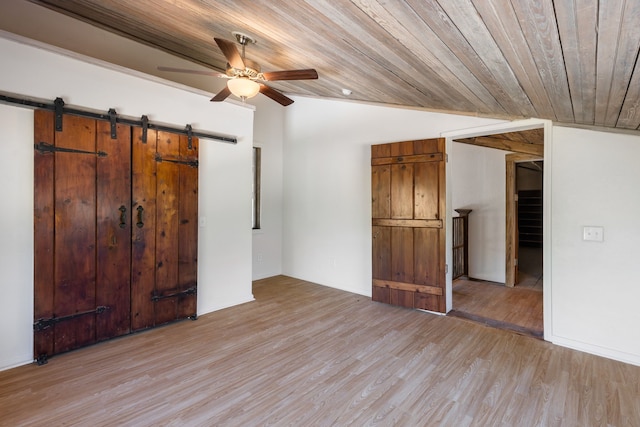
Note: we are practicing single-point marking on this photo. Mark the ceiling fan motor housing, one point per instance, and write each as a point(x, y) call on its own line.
point(252, 70)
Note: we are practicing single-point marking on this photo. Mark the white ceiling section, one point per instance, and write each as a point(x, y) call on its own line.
point(573, 62)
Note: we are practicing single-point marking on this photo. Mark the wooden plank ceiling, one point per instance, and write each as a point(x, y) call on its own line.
point(570, 61)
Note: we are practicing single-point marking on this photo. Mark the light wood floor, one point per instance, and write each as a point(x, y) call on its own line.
point(517, 309)
point(307, 355)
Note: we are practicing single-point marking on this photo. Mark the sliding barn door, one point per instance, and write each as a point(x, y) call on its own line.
point(115, 231)
point(408, 212)
point(165, 232)
point(82, 232)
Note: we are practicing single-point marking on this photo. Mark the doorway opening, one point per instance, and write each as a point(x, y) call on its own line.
point(508, 297)
point(529, 202)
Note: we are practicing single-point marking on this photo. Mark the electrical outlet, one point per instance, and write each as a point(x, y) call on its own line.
point(593, 234)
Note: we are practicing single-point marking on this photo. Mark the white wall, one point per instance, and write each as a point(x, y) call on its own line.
point(16, 236)
point(268, 131)
point(224, 267)
point(595, 290)
point(478, 183)
point(327, 183)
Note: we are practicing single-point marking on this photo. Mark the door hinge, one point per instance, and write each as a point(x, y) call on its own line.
point(515, 197)
point(515, 262)
point(446, 268)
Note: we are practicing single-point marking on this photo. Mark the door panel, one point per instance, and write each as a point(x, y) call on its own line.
point(143, 220)
point(427, 256)
point(402, 254)
point(188, 228)
point(409, 243)
point(81, 257)
point(165, 231)
point(401, 298)
point(426, 194)
point(43, 230)
point(74, 279)
point(380, 191)
point(402, 191)
point(381, 253)
point(113, 231)
point(404, 148)
point(167, 196)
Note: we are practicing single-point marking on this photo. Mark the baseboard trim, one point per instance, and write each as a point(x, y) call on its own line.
point(609, 353)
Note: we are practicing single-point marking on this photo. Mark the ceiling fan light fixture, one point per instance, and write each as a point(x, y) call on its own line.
point(243, 87)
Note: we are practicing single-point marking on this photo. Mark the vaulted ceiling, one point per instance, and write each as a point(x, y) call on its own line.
point(570, 61)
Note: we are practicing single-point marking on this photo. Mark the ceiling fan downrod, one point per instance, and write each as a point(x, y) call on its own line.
point(244, 40)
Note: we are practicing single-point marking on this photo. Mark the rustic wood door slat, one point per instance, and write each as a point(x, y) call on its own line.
point(188, 227)
point(402, 191)
point(143, 220)
point(380, 191)
point(43, 229)
point(167, 196)
point(113, 287)
point(75, 233)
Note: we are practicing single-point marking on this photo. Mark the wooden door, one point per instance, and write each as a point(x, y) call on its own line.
point(165, 234)
point(116, 231)
point(408, 210)
point(81, 233)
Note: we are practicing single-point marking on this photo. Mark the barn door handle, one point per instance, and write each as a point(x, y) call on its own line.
point(140, 210)
point(123, 216)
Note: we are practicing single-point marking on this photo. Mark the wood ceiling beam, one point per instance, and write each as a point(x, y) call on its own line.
point(505, 144)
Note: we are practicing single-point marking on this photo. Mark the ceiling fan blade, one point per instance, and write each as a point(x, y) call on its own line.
point(182, 70)
point(230, 52)
point(222, 95)
point(307, 74)
point(275, 95)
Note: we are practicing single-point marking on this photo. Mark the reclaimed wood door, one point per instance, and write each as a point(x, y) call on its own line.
point(408, 212)
point(82, 234)
point(115, 231)
point(165, 234)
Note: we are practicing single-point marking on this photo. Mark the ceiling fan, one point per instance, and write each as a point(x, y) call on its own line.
point(245, 79)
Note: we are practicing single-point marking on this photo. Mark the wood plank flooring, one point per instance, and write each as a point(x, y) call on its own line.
point(517, 309)
point(308, 355)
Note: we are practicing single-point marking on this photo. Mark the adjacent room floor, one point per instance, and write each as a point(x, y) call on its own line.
point(517, 309)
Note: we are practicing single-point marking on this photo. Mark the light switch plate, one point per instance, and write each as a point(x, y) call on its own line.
point(593, 234)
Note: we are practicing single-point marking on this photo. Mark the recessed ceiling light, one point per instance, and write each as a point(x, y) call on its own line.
point(346, 92)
